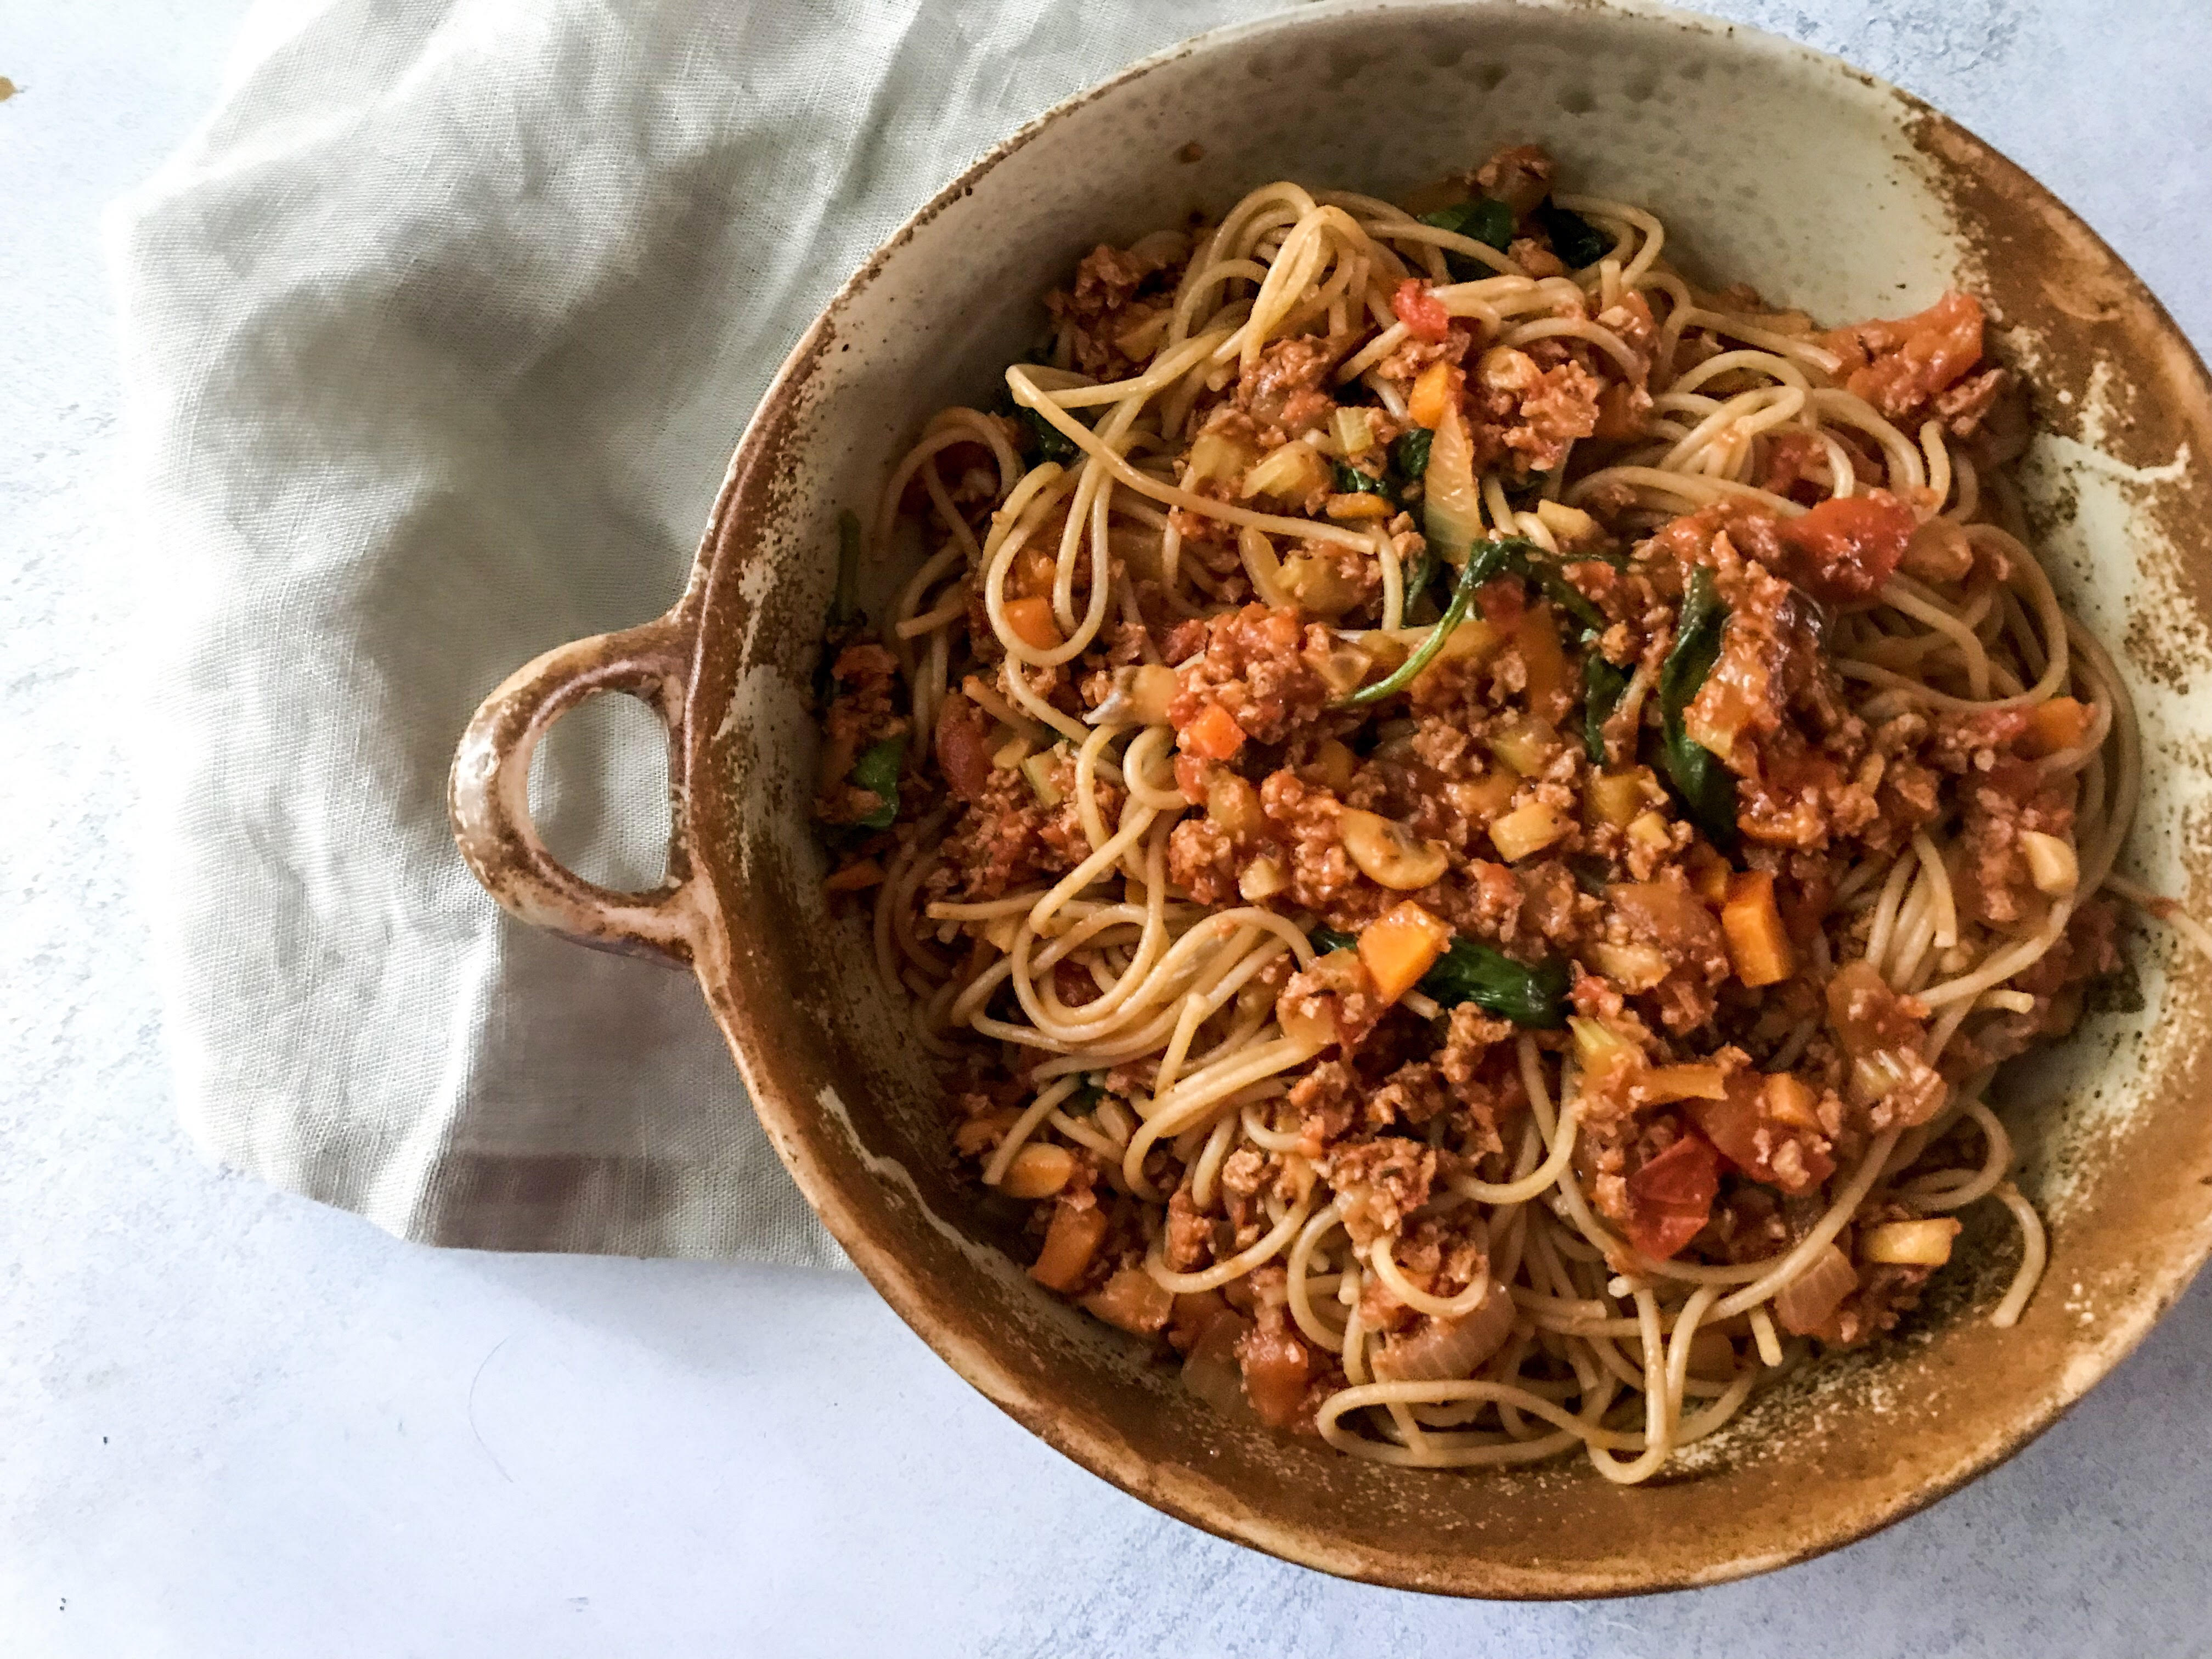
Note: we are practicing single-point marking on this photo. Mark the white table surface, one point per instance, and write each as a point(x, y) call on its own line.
point(232, 1422)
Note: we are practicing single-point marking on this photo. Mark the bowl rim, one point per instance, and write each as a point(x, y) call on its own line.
point(791, 1119)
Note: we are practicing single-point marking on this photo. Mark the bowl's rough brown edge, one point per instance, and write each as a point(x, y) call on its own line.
point(1988, 187)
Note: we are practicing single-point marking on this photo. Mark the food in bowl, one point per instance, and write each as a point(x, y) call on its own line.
point(1469, 821)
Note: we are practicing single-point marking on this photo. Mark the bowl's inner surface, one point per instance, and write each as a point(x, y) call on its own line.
point(1770, 166)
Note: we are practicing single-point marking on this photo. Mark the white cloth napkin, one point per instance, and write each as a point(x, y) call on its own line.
point(436, 338)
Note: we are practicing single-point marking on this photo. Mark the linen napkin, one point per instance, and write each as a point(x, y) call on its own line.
point(436, 338)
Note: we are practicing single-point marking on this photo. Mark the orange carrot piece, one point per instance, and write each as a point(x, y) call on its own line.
point(1756, 939)
point(1033, 623)
point(854, 876)
point(1214, 735)
point(2060, 723)
point(1430, 396)
point(1401, 945)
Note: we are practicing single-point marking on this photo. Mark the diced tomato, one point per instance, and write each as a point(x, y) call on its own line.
point(1790, 458)
point(1734, 1125)
point(1898, 365)
point(964, 747)
point(1670, 1199)
point(1422, 312)
point(1184, 640)
point(1850, 545)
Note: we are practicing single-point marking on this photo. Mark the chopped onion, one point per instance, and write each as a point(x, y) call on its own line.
point(1451, 508)
point(1804, 1304)
point(1873, 1076)
point(1211, 1371)
point(1140, 693)
point(1446, 1350)
point(1263, 878)
point(1038, 770)
point(2052, 864)
point(1288, 474)
point(1213, 456)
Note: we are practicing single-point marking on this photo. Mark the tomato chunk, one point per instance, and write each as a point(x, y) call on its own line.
point(1671, 1198)
point(1745, 1129)
point(964, 749)
point(1849, 546)
point(1422, 312)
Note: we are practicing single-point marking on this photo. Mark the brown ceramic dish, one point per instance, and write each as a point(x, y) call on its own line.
point(1767, 161)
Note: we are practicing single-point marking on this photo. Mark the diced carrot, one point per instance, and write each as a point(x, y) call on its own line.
point(1698, 1082)
point(1756, 939)
point(1431, 396)
point(1214, 735)
point(1359, 505)
point(1401, 945)
point(2060, 723)
point(1069, 1243)
point(1033, 623)
point(1538, 636)
point(854, 876)
point(1709, 873)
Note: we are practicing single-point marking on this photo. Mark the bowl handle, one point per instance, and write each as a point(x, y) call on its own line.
point(489, 797)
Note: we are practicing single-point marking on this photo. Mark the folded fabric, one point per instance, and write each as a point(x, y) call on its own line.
point(436, 339)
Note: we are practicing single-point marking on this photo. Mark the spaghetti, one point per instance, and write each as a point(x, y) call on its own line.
point(1470, 822)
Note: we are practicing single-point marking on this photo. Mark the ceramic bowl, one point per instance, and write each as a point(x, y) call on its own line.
point(1770, 163)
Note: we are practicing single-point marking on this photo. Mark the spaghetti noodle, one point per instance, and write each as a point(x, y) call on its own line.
point(1471, 821)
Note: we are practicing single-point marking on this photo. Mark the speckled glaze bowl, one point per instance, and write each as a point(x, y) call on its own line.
point(1769, 162)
